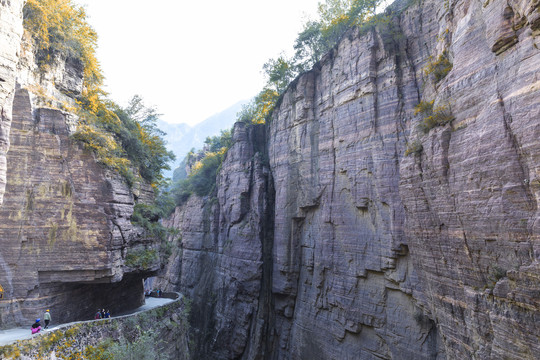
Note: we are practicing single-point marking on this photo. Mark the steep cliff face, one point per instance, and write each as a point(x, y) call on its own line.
point(65, 227)
point(472, 193)
point(219, 261)
point(370, 253)
point(65, 223)
point(343, 279)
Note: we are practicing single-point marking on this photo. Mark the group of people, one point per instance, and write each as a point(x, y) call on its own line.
point(155, 293)
point(36, 327)
point(102, 314)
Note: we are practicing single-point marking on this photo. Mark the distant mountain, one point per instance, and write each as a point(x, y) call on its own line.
point(181, 138)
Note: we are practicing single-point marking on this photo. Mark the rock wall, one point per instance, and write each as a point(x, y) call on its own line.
point(343, 279)
point(65, 224)
point(65, 227)
point(384, 237)
point(472, 193)
point(219, 261)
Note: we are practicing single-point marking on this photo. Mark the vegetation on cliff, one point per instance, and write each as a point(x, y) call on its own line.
point(124, 139)
point(138, 336)
point(336, 17)
point(148, 217)
point(204, 165)
point(59, 28)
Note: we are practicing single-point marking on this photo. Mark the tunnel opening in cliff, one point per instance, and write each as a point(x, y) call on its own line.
point(79, 300)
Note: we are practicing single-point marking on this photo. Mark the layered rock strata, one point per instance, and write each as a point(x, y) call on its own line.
point(219, 260)
point(472, 193)
point(396, 232)
point(65, 229)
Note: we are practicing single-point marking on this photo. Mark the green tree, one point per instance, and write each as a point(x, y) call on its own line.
point(218, 142)
point(279, 72)
point(204, 166)
point(145, 347)
point(142, 140)
point(309, 46)
point(336, 17)
point(260, 108)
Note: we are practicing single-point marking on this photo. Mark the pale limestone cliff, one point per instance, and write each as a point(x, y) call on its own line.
point(365, 252)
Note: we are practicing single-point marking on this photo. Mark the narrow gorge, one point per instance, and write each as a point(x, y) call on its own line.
point(347, 228)
point(387, 210)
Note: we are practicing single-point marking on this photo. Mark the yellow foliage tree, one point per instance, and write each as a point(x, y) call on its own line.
point(60, 31)
point(60, 28)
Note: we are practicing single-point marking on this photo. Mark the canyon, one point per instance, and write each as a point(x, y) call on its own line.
point(388, 209)
point(347, 228)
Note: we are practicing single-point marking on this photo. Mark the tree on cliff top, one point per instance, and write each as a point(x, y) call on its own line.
point(318, 37)
point(336, 17)
point(59, 28)
point(122, 139)
point(204, 166)
point(142, 140)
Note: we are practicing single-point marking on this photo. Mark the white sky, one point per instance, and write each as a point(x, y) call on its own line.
point(192, 59)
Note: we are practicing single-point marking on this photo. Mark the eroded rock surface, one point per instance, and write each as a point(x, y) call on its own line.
point(472, 194)
point(220, 260)
point(65, 226)
point(376, 254)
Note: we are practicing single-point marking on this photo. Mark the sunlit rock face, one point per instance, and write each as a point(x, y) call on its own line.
point(65, 227)
point(366, 252)
point(65, 224)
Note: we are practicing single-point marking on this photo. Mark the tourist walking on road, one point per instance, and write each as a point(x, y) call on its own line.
point(98, 315)
point(47, 318)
